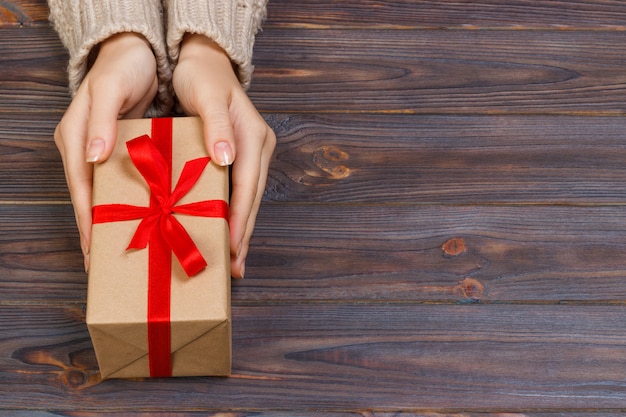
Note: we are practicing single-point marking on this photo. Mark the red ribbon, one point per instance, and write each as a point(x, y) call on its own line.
point(161, 232)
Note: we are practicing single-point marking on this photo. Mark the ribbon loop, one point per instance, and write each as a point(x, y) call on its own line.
point(153, 168)
point(151, 165)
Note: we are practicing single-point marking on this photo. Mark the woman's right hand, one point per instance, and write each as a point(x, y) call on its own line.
point(122, 83)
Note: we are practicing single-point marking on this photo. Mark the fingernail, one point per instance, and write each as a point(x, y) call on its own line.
point(95, 149)
point(223, 153)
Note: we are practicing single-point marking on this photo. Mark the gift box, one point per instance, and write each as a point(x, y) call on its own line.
point(158, 302)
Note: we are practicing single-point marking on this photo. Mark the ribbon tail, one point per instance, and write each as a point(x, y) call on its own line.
point(182, 245)
point(144, 231)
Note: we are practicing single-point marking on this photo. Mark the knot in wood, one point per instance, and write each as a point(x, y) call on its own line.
point(471, 288)
point(454, 247)
point(75, 379)
point(328, 158)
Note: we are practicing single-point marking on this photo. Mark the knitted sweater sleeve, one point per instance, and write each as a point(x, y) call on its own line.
point(83, 24)
point(232, 24)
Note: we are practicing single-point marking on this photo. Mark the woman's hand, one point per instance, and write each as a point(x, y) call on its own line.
point(121, 83)
point(235, 133)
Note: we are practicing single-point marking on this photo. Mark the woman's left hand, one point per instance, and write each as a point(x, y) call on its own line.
point(235, 133)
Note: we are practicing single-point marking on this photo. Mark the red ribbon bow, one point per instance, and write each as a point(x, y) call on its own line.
point(161, 232)
point(152, 166)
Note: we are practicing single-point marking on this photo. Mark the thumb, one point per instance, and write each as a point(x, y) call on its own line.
point(218, 134)
point(102, 126)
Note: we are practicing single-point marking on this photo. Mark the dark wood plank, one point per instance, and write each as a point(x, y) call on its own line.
point(343, 357)
point(40, 257)
point(381, 71)
point(403, 264)
point(455, 72)
point(29, 160)
point(226, 413)
point(450, 159)
point(303, 413)
point(448, 14)
point(378, 253)
point(436, 253)
point(33, 77)
point(23, 13)
point(402, 14)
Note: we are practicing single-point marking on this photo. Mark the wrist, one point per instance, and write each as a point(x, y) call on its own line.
point(125, 40)
point(196, 45)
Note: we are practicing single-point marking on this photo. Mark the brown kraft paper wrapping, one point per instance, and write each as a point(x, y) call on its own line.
point(117, 297)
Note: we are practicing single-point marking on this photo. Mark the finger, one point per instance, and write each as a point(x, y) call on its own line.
point(250, 225)
point(106, 103)
point(218, 131)
point(238, 262)
point(70, 139)
point(245, 181)
point(249, 178)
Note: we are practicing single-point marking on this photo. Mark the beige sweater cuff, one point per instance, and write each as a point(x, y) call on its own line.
point(83, 24)
point(232, 24)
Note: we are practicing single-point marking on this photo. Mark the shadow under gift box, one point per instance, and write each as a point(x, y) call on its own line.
point(117, 300)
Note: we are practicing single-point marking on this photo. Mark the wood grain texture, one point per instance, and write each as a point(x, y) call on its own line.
point(359, 253)
point(23, 13)
point(442, 235)
point(40, 257)
point(505, 72)
point(416, 159)
point(402, 14)
point(33, 77)
point(29, 160)
point(436, 253)
point(477, 72)
point(304, 413)
point(449, 14)
point(353, 357)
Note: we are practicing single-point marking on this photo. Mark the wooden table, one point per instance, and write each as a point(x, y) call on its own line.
point(443, 231)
